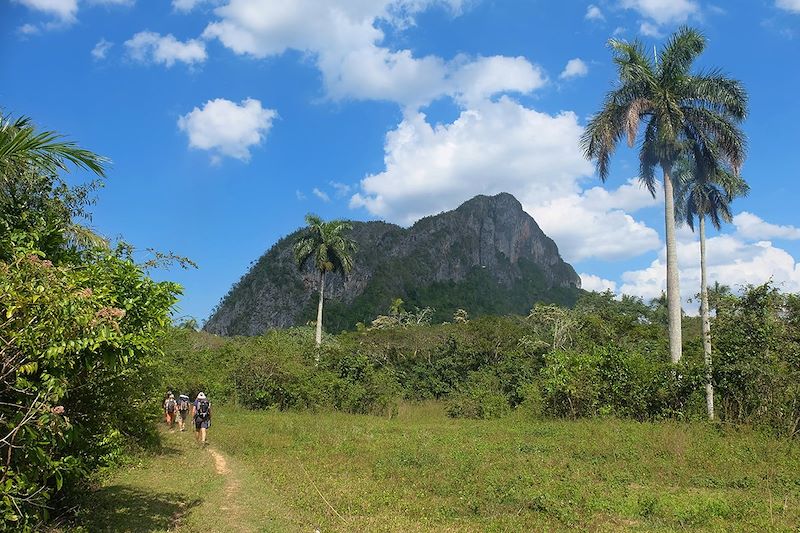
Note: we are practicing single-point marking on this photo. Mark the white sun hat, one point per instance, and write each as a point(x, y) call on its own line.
point(201, 396)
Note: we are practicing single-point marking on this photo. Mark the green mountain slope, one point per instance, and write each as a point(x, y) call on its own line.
point(488, 257)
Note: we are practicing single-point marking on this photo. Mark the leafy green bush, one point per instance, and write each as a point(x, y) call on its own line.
point(756, 341)
point(480, 397)
point(278, 370)
point(79, 344)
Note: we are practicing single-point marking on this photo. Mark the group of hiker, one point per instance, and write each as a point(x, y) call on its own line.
point(177, 410)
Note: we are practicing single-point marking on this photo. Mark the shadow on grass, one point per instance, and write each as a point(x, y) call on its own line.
point(124, 508)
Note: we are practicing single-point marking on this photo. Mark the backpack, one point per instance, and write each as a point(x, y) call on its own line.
point(202, 409)
point(171, 405)
point(183, 404)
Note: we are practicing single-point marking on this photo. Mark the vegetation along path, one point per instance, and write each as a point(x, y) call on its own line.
point(420, 471)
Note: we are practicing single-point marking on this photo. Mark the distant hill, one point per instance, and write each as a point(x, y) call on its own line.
point(488, 257)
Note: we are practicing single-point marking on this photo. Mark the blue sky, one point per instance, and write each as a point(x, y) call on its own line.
point(227, 121)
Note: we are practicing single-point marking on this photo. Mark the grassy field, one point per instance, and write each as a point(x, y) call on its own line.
point(272, 471)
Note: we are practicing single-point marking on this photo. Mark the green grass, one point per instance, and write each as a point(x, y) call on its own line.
point(424, 472)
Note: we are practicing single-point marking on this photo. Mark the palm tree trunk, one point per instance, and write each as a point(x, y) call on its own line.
point(706, 320)
point(673, 279)
point(319, 308)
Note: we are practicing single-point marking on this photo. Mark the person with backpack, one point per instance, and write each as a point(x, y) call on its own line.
point(170, 408)
point(183, 410)
point(201, 414)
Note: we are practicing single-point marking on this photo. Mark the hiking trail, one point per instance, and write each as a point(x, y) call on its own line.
point(232, 487)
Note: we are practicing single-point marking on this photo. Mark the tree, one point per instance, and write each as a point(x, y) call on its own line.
point(34, 198)
point(676, 109)
point(705, 190)
point(325, 244)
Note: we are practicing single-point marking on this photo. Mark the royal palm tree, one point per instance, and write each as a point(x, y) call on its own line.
point(674, 108)
point(705, 190)
point(326, 245)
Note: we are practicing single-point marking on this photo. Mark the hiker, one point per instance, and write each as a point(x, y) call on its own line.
point(164, 405)
point(183, 410)
point(201, 414)
point(170, 408)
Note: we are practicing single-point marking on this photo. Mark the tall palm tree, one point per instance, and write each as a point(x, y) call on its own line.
point(675, 108)
point(326, 244)
point(705, 190)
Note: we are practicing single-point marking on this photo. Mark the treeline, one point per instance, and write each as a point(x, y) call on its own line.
point(604, 357)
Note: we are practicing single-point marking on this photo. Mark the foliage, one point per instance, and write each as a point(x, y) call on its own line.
point(79, 343)
point(757, 349)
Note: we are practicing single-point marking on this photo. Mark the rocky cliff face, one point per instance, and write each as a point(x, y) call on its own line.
point(487, 256)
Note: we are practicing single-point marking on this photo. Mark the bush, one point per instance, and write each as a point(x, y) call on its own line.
point(279, 370)
point(78, 345)
point(480, 397)
point(611, 381)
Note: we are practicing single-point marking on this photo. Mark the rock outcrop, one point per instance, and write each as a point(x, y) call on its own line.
point(488, 254)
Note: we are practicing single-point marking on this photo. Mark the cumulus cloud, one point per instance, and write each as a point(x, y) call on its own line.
point(575, 68)
point(658, 13)
point(663, 11)
point(591, 282)
point(503, 146)
point(792, 6)
point(64, 11)
point(148, 46)
point(594, 13)
point(344, 38)
point(730, 260)
point(753, 227)
point(101, 49)
point(185, 5)
point(226, 128)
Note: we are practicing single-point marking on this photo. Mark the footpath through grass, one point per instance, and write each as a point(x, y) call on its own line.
point(425, 472)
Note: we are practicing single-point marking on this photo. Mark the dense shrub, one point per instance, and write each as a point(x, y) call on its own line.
point(78, 344)
point(279, 370)
point(480, 397)
point(756, 340)
point(611, 381)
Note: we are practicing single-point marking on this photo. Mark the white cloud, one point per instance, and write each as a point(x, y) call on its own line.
point(495, 147)
point(148, 46)
point(594, 13)
point(300, 195)
point(28, 29)
point(789, 5)
point(101, 49)
point(591, 282)
point(663, 11)
point(753, 227)
point(343, 38)
point(731, 261)
point(584, 229)
point(321, 195)
point(113, 2)
point(185, 5)
point(650, 30)
point(341, 189)
point(226, 128)
point(64, 11)
point(505, 147)
point(575, 68)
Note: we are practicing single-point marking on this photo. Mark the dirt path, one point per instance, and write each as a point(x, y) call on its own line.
point(230, 506)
